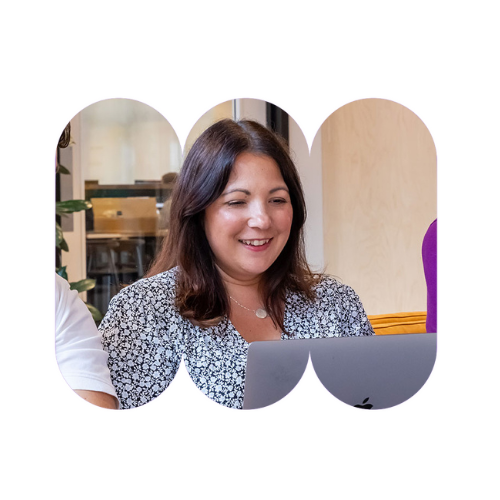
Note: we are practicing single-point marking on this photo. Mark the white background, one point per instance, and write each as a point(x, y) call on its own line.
point(439, 59)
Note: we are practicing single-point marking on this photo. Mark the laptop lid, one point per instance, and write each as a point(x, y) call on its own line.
point(372, 372)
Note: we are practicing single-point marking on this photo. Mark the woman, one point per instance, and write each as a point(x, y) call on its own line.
point(232, 271)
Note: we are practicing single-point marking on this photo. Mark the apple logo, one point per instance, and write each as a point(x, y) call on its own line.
point(364, 405)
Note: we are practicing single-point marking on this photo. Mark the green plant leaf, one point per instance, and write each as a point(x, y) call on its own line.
point(70, 206)
point(96, 314)
point(61, 271)
point(59, 235)
point(63, 245)
point(82, 285)
point(61, 169)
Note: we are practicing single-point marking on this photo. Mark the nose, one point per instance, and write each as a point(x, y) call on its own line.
point(259, 217)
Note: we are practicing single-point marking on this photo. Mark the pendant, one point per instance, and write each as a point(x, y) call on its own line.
point(261, 313)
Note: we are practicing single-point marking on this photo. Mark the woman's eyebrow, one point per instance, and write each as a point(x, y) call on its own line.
point(279, 189)
point(245, 191)
point(236, 190)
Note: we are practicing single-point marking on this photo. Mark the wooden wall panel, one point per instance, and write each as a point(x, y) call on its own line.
point(379, 197)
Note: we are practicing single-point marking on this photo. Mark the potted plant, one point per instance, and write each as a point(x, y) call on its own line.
point(63, 208)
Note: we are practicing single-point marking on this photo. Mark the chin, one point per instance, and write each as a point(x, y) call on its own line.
point(257, 271)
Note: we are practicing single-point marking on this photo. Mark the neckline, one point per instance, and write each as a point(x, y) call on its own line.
point(239, 336)
point(282, 336)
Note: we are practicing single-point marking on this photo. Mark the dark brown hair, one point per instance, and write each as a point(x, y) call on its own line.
point(200, 294)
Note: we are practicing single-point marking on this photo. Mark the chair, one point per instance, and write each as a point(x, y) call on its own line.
point(131, 256)
point(101, 266)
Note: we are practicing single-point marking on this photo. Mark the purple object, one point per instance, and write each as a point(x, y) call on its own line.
point(429, 258)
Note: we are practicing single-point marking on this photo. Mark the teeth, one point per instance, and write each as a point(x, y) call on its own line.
point(255, 243)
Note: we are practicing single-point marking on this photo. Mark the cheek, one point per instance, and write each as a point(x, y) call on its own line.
point(287, 220)
point(227, 225)
point(220, 225)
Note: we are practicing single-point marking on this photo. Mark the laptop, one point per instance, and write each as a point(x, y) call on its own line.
point(372, 372)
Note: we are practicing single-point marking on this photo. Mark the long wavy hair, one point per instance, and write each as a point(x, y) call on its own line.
point(200, 293)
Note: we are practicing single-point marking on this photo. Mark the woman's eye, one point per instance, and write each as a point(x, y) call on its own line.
point(235, 203)
point(278, 201)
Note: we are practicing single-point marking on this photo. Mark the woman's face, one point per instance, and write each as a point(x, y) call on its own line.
point(249, 224)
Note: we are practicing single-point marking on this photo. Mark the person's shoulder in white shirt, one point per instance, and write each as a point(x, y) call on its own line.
point(79, 352)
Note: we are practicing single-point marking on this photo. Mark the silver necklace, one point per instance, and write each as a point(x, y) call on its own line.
point(260, 312)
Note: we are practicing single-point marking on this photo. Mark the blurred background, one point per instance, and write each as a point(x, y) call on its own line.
point(370, 182)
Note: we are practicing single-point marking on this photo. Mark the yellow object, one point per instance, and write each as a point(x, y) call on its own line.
point(398, 323)
point(135, 215)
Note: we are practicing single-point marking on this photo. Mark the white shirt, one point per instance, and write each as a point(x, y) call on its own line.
point(79, 352)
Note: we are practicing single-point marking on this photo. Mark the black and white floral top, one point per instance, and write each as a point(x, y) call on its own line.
point(146, 338)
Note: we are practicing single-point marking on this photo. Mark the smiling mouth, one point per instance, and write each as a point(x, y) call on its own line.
point(255, 243)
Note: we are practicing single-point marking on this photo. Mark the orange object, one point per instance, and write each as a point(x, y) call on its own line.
point(398, 323)
point(125, 215)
